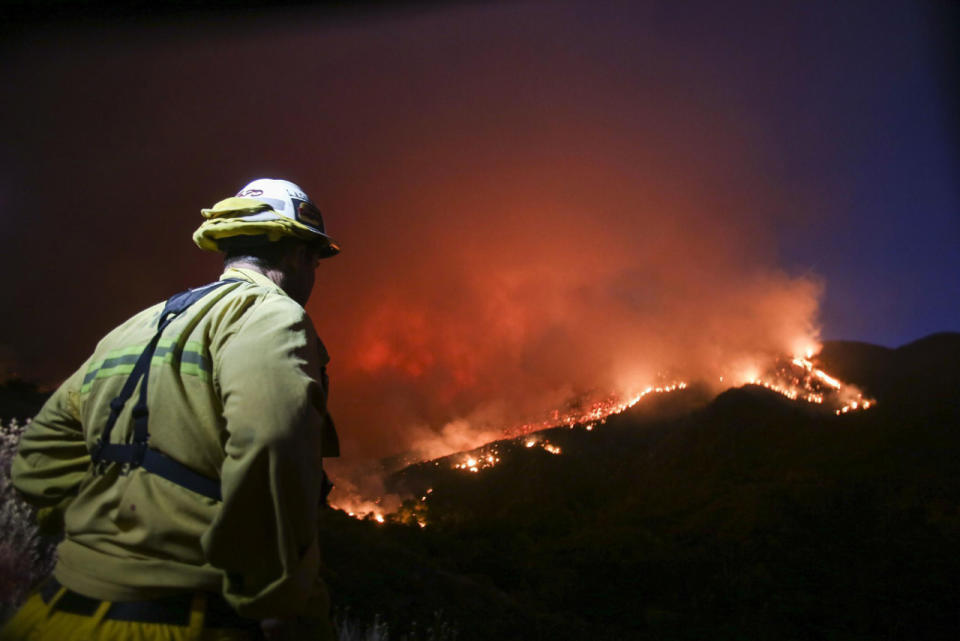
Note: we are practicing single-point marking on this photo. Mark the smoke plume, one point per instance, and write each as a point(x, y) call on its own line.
point(511, 293)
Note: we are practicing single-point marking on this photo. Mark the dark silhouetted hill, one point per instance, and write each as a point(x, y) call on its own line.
point(919, 377)
point(20, 399)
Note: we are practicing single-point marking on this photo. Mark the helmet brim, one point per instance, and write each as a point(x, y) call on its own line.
point(237, 217)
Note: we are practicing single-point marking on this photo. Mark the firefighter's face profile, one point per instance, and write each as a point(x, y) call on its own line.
point(306, 259)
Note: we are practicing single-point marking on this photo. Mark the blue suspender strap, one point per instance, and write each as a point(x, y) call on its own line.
point(138, 453)
point(172, 470)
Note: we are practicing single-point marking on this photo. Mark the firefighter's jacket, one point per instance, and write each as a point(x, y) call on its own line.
point(237, 391)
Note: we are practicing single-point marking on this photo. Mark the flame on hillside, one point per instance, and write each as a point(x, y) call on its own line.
point(800, 379)
point(797, 378)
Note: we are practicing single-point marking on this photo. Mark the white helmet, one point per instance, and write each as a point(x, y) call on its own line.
point(267, 206)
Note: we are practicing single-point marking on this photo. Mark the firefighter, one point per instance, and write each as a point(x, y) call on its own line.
point(183, 458)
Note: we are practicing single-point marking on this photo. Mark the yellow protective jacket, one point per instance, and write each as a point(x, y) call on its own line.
point(237, 391)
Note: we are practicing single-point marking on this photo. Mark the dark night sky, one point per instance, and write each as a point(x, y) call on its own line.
point(812, 142)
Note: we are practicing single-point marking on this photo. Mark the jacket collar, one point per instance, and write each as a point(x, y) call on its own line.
point(251, 276)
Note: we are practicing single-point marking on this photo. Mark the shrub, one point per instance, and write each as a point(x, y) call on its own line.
point(26, 557)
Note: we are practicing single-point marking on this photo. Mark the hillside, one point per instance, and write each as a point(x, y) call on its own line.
point(744, 516)
point(20, 400)
point(906, 379)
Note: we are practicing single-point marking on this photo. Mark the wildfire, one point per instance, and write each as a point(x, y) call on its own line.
point(361, 509)
point(478, 461)
point(854, 405)
point(800, 379)
point(596, 412)
point(797, 378)
point(488, 456)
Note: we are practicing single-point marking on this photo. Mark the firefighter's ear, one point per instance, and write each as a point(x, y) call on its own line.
point(303, 256)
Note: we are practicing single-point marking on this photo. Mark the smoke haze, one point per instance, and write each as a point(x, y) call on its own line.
point(495, 311)
point(534, 204)
point(572, 264)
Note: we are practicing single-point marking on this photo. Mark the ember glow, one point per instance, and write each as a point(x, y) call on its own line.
point(359, 491)
point(489, 455)
point(797, 379)
point(478, 461)
point(361, 509)
point(596, 411)
point(800, 379)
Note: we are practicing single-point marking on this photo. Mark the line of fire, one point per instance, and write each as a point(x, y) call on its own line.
point(797, 378)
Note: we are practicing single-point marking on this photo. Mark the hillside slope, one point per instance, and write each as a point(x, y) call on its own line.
point(747, 517)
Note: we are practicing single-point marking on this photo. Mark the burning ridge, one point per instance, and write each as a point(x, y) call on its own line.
point(798, 379)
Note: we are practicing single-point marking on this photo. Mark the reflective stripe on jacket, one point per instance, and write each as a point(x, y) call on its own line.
point(237, 392)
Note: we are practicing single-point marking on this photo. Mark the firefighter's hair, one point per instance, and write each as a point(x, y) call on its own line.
point(257, 250)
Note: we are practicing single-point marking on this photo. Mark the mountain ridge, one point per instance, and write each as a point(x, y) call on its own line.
point(749, 515)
